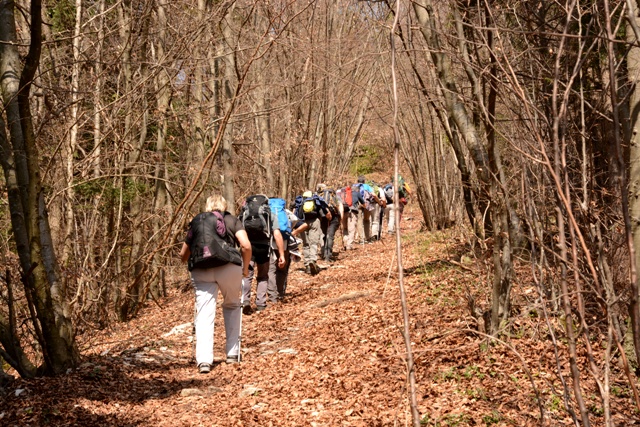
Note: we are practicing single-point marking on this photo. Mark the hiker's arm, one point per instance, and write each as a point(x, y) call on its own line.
point(325, 208)
point(245, 248)
point(280, 245)
point(300, 229)
point(184, 252)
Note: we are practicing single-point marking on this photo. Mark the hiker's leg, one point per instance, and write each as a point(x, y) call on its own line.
point(324, 226)
point(246, 285)
point(206, 290)
point(305, 245)
point(345, 228)
point(400, 212)
point(314, 235)
point(331, 232)
point(366, 224)
point(281, 276)
point(375, 220)
point(353, 225)
point(392, 216)
point(229, 277)
point(272, 287)
point(262, 276)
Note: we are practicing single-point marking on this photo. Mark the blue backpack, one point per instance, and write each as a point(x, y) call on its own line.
point(278, 206)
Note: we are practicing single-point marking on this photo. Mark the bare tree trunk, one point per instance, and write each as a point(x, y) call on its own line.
point(97, 94)
point(355, 129)
point(316, 152)
point(37, 259)
point(262, 117)
point(200, 133)
point(633, 66)
point(128, 296)
point(559, 166)
point(493, 197)
point(228, 92)
point(70, 147)
point(411, 375)
point(163, 97)
point(448, 126)
point(456, 110)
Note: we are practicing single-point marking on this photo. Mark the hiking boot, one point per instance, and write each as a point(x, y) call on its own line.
point(307, 269)
point(260, 308)
point(295, 255)
point(313, 269)
point(204, 368)
point(233, 359)
point(247, 310)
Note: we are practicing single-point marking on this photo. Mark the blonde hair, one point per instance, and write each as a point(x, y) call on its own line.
point(216, 203)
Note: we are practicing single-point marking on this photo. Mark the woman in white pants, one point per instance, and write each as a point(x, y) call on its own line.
point(208, 280)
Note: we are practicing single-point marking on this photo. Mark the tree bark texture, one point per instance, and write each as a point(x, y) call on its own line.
point(37, 257)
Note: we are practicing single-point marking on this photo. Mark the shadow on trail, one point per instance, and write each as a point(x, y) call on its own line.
point(52, 401)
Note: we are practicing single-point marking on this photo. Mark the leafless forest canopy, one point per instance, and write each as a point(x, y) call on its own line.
point(517, 121)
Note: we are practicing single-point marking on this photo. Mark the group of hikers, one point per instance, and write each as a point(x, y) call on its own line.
point(224, 252)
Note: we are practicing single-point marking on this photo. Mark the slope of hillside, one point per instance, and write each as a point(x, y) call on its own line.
point(330, 354)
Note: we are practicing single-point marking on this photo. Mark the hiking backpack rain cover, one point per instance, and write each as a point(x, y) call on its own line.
point(256, 218)
point(388, 192)
point(209, 249)
point(356, 194)
point(278, 206)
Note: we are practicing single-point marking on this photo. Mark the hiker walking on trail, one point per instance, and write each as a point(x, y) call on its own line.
point(344, 218)
point(215, 264)
point(380, 203)
point(330, 225)
point(364, 208)
point(277, 284)
point(404, 192)
point(263, 231)
point(310, 208)
point(352, 200)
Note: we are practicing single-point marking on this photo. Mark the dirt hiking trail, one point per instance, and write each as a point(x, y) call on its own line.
point(331, 354)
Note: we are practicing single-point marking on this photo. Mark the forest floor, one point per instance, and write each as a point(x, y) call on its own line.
point(332, 354)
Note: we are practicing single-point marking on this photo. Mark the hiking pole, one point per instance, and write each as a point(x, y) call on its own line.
point(241, 310)
point(380, 222)
point(193, 330)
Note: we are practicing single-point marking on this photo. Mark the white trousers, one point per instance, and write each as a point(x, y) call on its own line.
point(390, 213)
point(206, 282)
point(376, 224)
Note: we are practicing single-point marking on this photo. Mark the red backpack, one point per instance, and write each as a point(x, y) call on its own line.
point(348, 197)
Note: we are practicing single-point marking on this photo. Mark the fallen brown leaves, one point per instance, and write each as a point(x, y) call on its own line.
point(331, 355)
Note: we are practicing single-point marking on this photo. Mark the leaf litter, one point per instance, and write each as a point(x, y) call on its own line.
point(331, 354)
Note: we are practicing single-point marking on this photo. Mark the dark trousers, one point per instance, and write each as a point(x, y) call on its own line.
point(329, 234)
